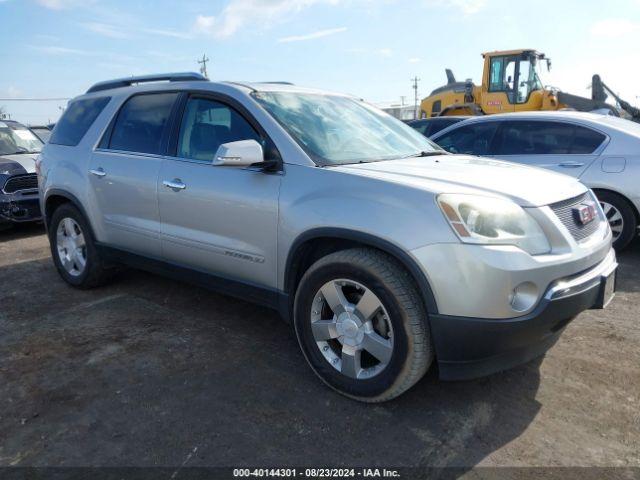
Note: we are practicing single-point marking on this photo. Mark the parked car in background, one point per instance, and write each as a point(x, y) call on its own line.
point(385, 252)
point(19, 148)
point(602, 151)
point(431, 126)
point(43, 132)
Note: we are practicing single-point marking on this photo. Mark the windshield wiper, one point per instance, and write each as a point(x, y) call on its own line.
point(433, 153)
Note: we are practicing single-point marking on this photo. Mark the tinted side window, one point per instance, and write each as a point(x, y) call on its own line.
point(440, 125)
point(473, 139)
point(76, 120)
point(585, 140)
point(421, 126)
point(207, 124)
point(546, 138)
point(141, 122)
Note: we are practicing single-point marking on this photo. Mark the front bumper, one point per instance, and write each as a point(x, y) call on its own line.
point(473, 347)
point(19, 208)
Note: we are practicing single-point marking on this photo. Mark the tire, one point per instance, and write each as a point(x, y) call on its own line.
point(619, 213)
point(95, 271)
point(398, 331)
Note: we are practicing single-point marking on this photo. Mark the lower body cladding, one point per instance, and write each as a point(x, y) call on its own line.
point(19, 207)
point(470, 347)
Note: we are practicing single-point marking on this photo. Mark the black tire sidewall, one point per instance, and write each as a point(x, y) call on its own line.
point(69, 211)
point(309, 286)
point(628, 216)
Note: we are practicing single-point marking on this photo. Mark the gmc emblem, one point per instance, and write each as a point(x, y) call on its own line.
point(585, 213)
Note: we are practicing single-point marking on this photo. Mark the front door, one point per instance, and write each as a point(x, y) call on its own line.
point(500, 96)
point(218, 219)
point(124, 173)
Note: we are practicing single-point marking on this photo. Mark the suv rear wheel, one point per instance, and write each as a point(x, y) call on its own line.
point(73, 249)
point(362, 326)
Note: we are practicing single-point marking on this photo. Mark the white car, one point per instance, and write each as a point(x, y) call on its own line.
point(602, 151)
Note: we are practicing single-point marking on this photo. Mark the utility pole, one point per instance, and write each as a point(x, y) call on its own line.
point(203, 68)
point(414, 82)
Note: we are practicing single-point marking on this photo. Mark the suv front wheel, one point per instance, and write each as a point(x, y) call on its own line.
point(362, 325)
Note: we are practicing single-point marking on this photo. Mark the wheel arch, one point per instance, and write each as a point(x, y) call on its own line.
point(54, 199)
point(313, 244)
point(634, 209)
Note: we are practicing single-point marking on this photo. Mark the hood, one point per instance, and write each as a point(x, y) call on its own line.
point(527, 186)
point(18, 164)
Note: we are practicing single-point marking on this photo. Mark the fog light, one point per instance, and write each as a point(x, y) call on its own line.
point(523, 297)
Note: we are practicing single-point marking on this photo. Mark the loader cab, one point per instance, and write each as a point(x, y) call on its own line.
point(509, 80)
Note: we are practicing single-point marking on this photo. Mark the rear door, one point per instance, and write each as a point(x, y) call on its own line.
point(222, 220)
point(501, 92)
point(560, 146)
point(124, 173)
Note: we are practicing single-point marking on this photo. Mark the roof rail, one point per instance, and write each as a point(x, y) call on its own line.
point(128, 81)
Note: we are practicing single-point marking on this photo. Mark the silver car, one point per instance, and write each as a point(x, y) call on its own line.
point(385, 252)
point(602, 151)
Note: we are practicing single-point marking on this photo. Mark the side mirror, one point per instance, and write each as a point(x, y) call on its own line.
point(239, 154)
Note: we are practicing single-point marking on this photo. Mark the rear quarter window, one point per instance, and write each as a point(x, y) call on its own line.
point(76, 120)
point(586, 141)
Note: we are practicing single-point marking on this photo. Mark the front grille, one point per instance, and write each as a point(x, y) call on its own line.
point(564, 211)
point(21, 182)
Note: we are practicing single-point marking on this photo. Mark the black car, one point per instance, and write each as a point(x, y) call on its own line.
point(431, 126)
point(19, 148)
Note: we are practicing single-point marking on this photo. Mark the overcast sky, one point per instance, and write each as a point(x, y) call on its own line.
point(371, 48)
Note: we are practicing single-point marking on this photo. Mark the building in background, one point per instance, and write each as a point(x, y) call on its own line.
point(398, 110)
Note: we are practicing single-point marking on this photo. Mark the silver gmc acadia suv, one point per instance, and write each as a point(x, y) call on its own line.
point(385, 252)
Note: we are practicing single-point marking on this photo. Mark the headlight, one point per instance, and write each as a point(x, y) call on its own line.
point(493, 221)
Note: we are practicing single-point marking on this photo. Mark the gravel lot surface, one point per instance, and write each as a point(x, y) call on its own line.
point(148, 371)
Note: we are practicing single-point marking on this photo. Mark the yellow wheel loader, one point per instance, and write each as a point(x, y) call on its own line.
point(511, 83)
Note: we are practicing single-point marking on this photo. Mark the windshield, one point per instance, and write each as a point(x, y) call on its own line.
point(336, 130)
point(15, 138)
point(43, 134)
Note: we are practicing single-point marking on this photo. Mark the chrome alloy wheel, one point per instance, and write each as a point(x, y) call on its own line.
point(72, 249)
point(352, 328)
point(615, 219)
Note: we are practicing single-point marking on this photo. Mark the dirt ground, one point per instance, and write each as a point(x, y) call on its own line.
point(148, 371)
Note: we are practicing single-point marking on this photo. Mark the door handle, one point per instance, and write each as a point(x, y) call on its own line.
point(175, 184)
point(572, 165)
point(99, 172)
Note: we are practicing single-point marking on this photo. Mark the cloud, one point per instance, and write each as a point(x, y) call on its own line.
point(62, 4)
point(106, 30)
point(414, 60)
point(382, 52)
point(65, 51)
point(312, 35)
point(468, 7)
point(241, 13)
point(12, 91)
point(167, 33)
point(55, 50)
point(615, 27)
point(114, 31)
